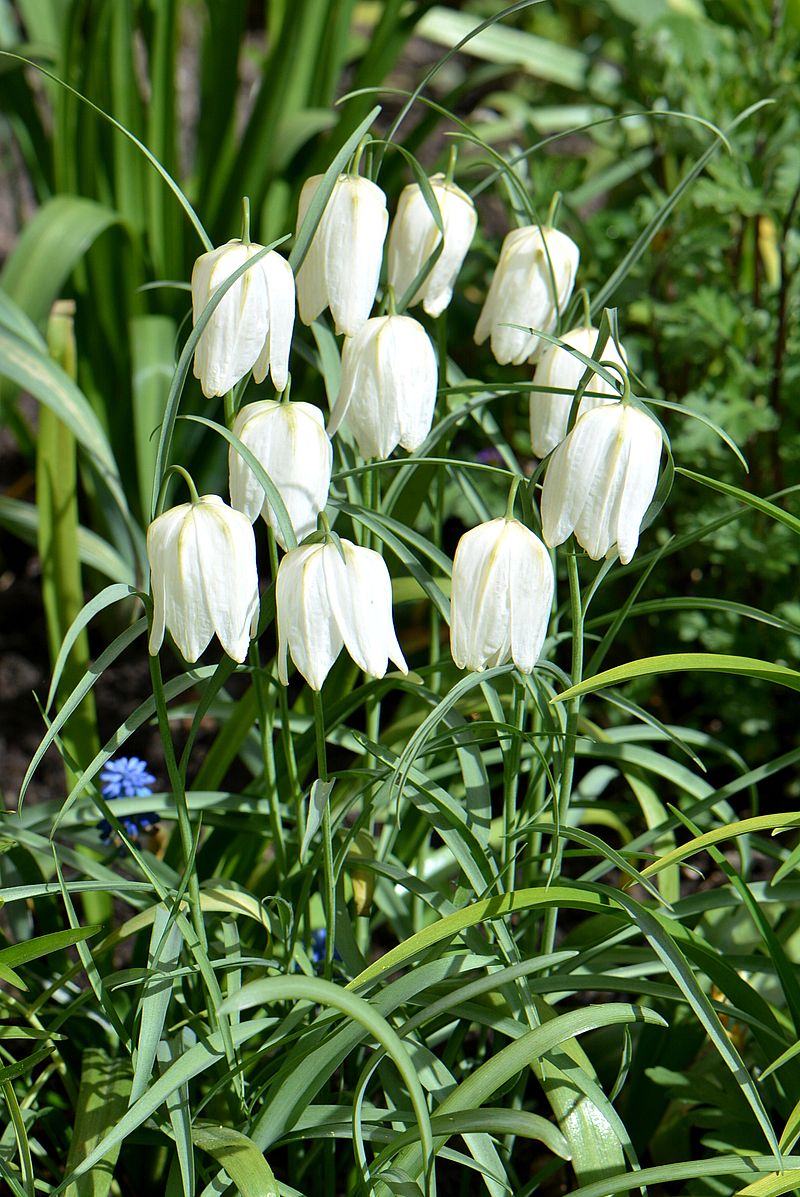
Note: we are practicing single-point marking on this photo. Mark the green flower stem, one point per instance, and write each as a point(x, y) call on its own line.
point(512, 494)
point(511, 762)
point(368, 490)
point(245, 220)
point(327, 837)
point(265, 700)
point(570, 738)
point(283, 708)
point(355, 161)
point(552, 211)
point(587, 308)
point(451, 163)
point(187, 477)
point(178, 788)
point(200, 951)
point(439, 496)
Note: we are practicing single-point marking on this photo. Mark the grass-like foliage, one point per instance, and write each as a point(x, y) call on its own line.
point(506, 929)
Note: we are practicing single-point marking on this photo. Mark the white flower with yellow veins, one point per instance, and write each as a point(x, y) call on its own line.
point(414, 236)
point(290, 442)
point(251, 327)
point(522, 292)
point(558, 368)
point(387, 392)
point(327, 600)
point(501, 597)
point(601, 480)
point(342, 266)
point(204, 578)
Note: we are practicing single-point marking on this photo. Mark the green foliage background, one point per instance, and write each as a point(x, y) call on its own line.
point(150, 1039)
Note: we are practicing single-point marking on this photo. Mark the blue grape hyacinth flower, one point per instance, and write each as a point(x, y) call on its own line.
point(127, 777)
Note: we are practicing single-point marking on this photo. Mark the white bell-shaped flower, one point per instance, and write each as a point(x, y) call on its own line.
point(204, 578)
point(342, 267)
point(600, 481)
point(501, 597)
point(327, 600)
point(388, 386)
point(251, 327)
point(522, 291)
point(559, 369)
point(414, 236)
point(290, 442)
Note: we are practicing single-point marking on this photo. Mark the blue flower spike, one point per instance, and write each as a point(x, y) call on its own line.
point(127, 777)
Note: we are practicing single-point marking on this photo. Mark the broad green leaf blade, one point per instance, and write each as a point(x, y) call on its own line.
point(325, 993)
point(22, 519)
point(239, 1156)
point(38, 374)
point(49, 247)
point(102, 1099)
point(191, 1064)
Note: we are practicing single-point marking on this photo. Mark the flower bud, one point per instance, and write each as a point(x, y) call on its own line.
point(414, 236)
point(501, 597)
point(388, 387)
point(558, 368)
point(327, 600)
point(342, 267)
point(522, 292)
point(251, 327)
point(600, 481)
point(290, 442)
point(204, 578)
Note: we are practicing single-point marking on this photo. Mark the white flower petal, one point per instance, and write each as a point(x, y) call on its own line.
point(601, 479)
point(549, 411)
point(306, 626)
point(274, 356)
point(290, 442)
point(234, 335)
point(414, 237)
point(312, 293)
point(203, 565)
point(355, 227)
point(388, 385)
point(362, 603)
point(531, 601)
point(522, 292)
point(501, 597)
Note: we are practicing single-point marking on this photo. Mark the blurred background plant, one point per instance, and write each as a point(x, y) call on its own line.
point(237, 98)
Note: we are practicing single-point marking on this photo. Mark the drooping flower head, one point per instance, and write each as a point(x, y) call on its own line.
point(388, 388)
point(601, 480)
point(414, 236)
point(327, 600)
point(290, 442)
point(342, 266)
point(251, 327)
point(204, 578)
point(501, 597)
point(557, 368)
point(531, 284)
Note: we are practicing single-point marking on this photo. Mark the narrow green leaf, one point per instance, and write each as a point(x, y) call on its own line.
point(764, 671)
point(743, 496)
point(43, 945)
